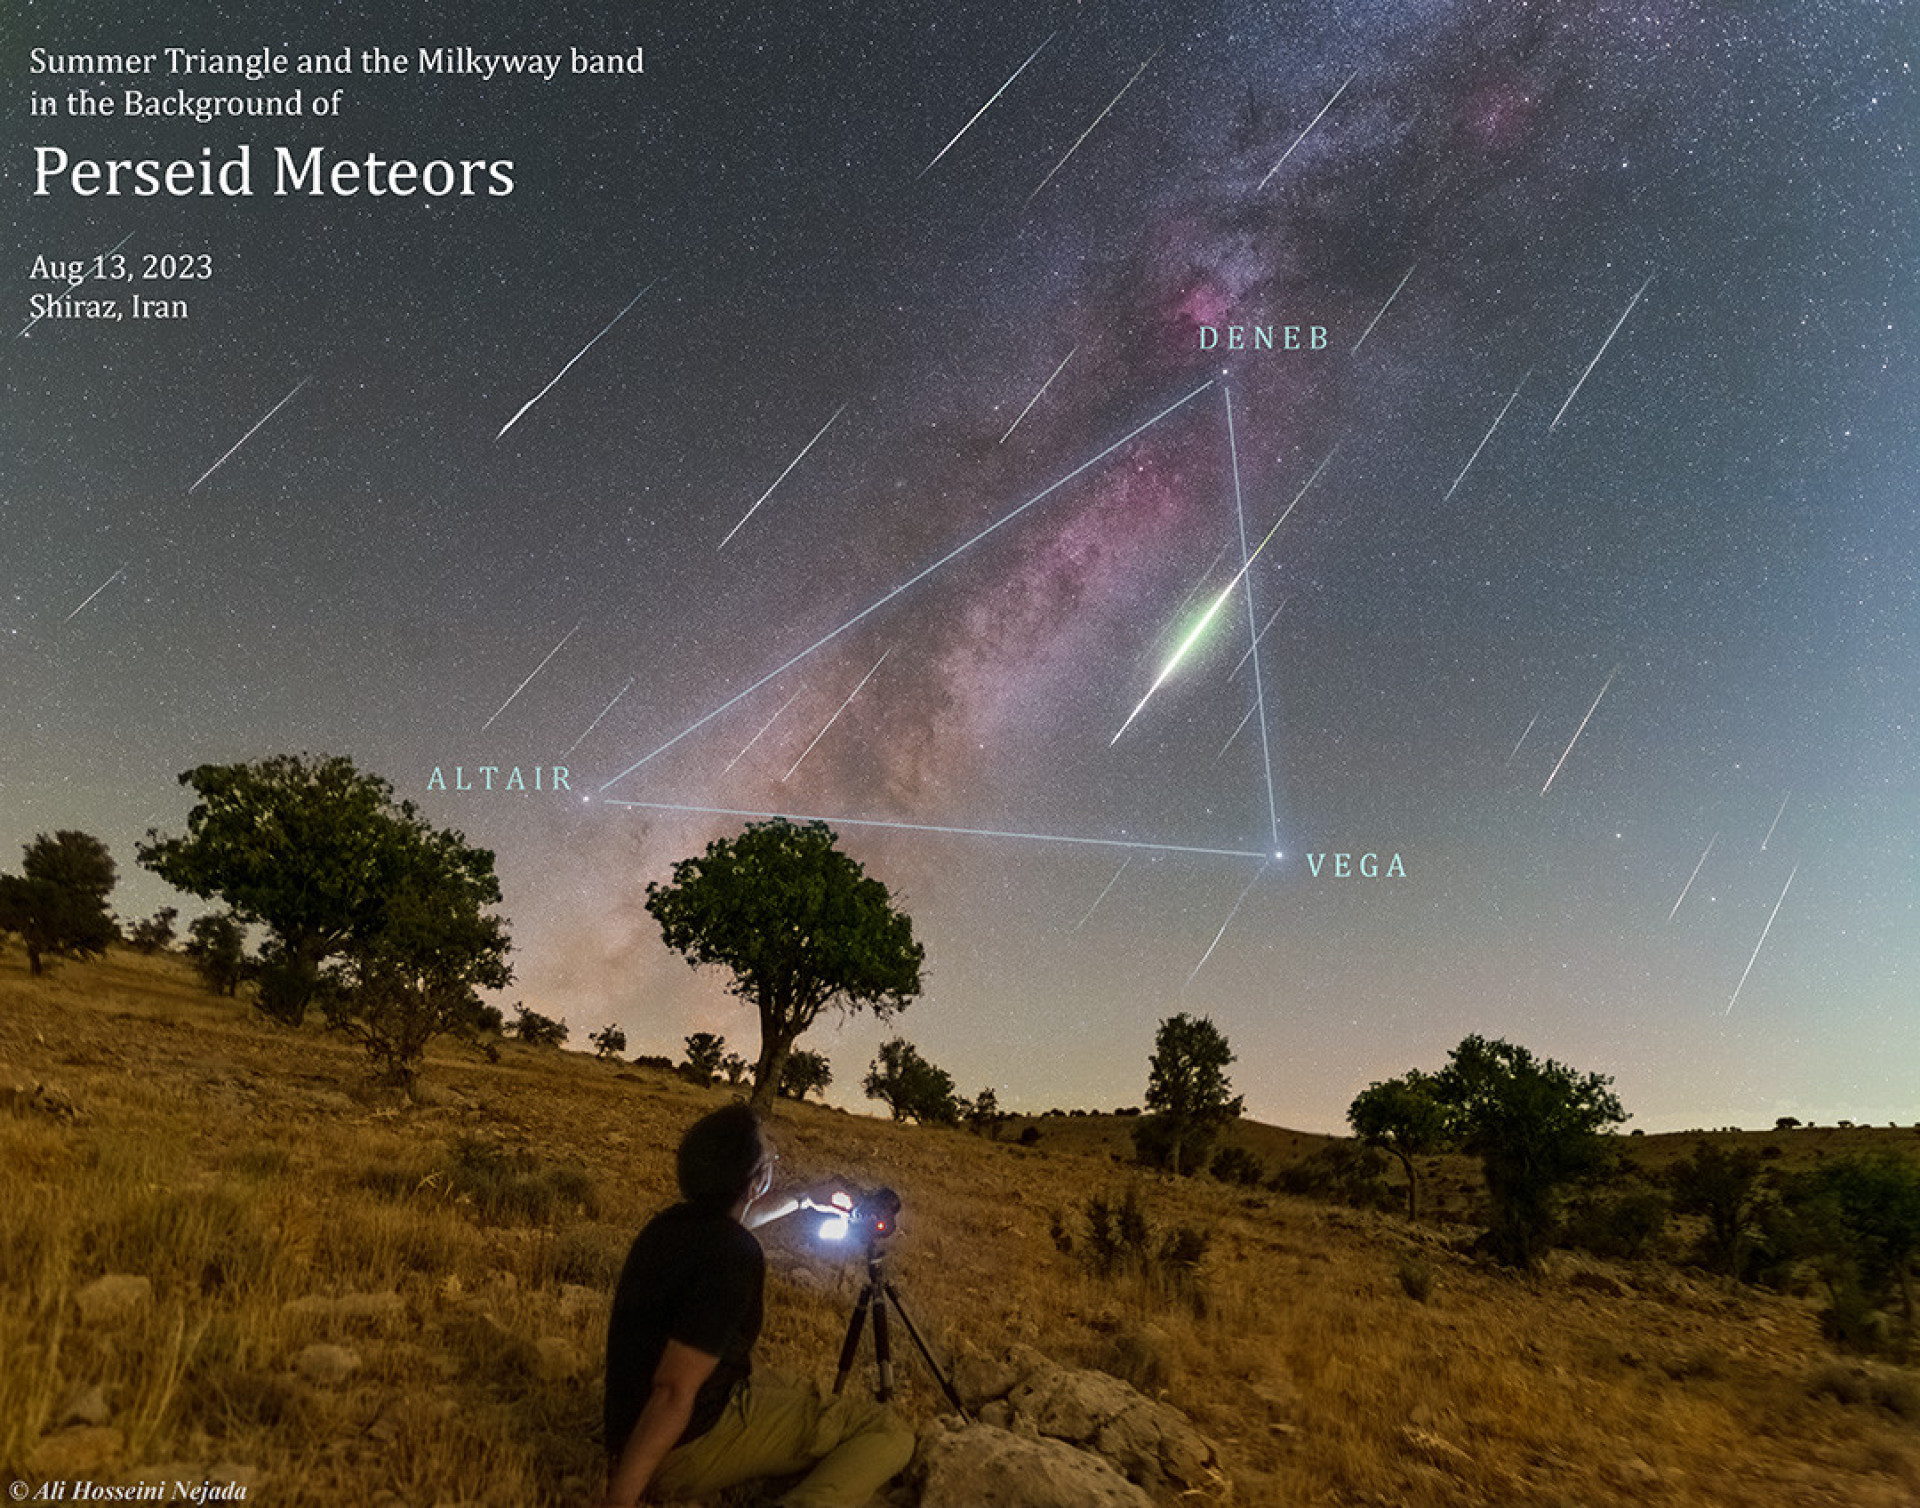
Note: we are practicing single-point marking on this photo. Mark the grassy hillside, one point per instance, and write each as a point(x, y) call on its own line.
point(351, 1299)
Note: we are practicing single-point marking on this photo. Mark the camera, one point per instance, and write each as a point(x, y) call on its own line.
point(868, 1217)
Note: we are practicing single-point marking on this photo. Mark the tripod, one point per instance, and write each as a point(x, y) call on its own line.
point(878, 1293)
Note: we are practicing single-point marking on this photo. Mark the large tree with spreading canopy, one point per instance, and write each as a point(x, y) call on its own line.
point(799, 925)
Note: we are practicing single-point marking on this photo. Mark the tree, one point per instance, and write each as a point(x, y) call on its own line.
point(805, 1073)
point(57, 904)
point(799, 925)
point(705, 1053)
point(984, 1116)
point(537, 1030)
point(914, 1090)
point(609, 1042)
point(1188, 1096)
point(1404, 1116)
point(155, 933)
point(1724, 1186)
point(310, 848)
point(217, 943)
point(1535, 1126)
point(735, 1068)
point(1859, 1218)
point(413, 972)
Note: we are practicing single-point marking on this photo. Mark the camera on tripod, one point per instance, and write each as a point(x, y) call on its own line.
point(868, 1218)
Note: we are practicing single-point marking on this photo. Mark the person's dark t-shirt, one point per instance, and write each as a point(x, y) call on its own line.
point(694, 1276)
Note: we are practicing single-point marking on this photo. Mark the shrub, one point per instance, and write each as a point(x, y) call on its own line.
point(1621, 1225)
point(1416, 1278)
point(1237, 1165)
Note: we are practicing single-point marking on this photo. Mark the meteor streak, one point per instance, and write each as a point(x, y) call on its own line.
point(781, 478)
point(73, 283)
point(763, 728)
point(1303, 136)
point(536, 670)
point(1227, 923)
point(1599, 353)
point(924, 827)
point(1383, 309)
point(1236, 732)
point(603, 712)
point(1522, 739)
point(1103, 894)
point(911, 581)
point(1036, 397)
point(1219, 602)
point(1256, 640)
point(836, 713)
point(96, 592)
point(1581, 729)
point(982, 110)
point(249, 434)
point(569, 366)
point(1483, 440)
point(1089, 131)
point(1761, 944)
point(1776, 821)
point(1694, 876)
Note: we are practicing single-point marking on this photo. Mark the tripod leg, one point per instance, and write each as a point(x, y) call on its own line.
point(946, 1384)
point(882, 1353)
point(851, 1345)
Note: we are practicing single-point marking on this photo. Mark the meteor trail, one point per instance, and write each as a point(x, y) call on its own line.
point(1484, 438)
point(603, 712)
point(1236, 732)
point(1036, 397)
point(1522, 739)
point(1383, 309)
point(912, 581)
point(569, 366)
point(1761, 944)
point(1694, 876)
point(1219, 602)
point(1226, 924)
point(1599, 353)
point(837, 711)
point(1303, 136)
point(1581, 729)
point(1103, 894)
point(781, 478)
point(536, 670)
point(249, 434)
point(73, 283)
point(982, 110)
point(1256, 639)
point(1776, 821)
point(763, 728)
point(1089, 131)
point(924, 827)
point(96, 592)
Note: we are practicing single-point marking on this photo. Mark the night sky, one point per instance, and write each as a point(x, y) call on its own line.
point(845, 336)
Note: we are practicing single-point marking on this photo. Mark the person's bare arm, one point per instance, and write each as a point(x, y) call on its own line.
point(665, 1414)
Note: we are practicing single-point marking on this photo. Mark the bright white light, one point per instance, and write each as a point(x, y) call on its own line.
point(834, 1229)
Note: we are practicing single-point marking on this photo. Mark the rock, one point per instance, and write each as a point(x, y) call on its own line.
point(326, 1366)
point(556, 1359)
point(88, 1406)
point(978, 1466)
point(81, 1452)
point(1151, 1443)
point(1596, 1282)
point(116, 1297)
point(348, 1308)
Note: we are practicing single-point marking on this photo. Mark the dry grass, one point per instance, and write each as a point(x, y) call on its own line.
point(464, 1254)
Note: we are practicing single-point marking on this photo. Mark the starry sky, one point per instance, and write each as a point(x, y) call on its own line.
point(885, 467)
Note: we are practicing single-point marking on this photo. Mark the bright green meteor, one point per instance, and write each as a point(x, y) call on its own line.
point(1193, 635)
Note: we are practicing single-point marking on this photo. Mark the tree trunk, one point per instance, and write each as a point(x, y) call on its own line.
point(766, 1074)
point(1412, 1187)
